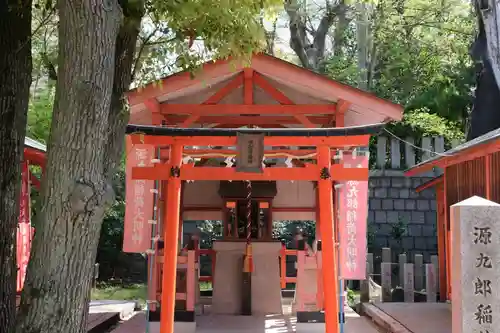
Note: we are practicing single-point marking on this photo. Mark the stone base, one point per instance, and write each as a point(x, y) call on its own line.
point(179, 316)
point(266, 285)
point(310, 317)
point(310, 328)
point(226, 297)
point(179, 327)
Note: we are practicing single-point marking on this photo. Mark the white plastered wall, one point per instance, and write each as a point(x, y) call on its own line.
point(298, 194)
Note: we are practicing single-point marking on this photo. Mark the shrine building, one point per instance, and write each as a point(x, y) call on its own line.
point(249, 144)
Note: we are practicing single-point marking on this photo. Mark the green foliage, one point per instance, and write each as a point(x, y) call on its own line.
point(133, 292)
point(286, 230)
point(417, 57)
point(111, 240)
point(399, 229)
point(423, 123)
point(209, 231)
point(176, 37)
point(352, 297)
point(40, 114)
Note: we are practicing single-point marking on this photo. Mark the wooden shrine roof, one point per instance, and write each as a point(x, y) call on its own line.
point(34, 151)
point(30, 143)
point(274, 82)
point(480, 146)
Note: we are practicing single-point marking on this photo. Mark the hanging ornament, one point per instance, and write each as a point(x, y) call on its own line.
point(229, 162)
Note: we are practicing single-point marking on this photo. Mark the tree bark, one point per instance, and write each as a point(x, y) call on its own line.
point(362, 34)
point(311, 53)
point(489, 13)
point(75, 192)
point(15, 80)
point(484, 116)
point(124, 60)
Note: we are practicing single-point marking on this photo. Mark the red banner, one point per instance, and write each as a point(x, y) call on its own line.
point(24, 232)
point(138, 200)
point(353, 222)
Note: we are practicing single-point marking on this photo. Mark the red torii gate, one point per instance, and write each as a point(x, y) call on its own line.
point(324, 172)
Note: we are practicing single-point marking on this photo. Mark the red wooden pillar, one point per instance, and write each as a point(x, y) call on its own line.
point(330, 278)
point(171, 233)
point(441, 235)
point(447, 230)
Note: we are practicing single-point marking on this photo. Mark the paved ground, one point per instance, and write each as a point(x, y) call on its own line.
point(286, 323)
point(420, 317)
point(124, 308)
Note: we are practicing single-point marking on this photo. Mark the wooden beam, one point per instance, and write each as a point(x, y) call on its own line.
point(215, 98)
point(261, 81)
point(246, 120)
point(189, 172)
point(224, 91)
point(153, 106)
point(332, 141)
point(190, 120)
point(260, 126)
point(305, 121)
point(248, 86)
point(342, 107)
point(238, 109)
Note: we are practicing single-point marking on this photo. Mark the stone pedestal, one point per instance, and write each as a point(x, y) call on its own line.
point(226, 297)
point(307, 284)
point(179, 327)
point(475, 265)
point(266, 284)
point(266, 287)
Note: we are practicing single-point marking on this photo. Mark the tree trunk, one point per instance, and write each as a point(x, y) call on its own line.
point(484, 116)
point(75, 192)
point(489, 12)
point(311, 53)
point(15, 80)
point(124, 59)
point(362, 34)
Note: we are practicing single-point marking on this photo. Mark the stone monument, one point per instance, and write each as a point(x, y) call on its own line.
point(475, 264)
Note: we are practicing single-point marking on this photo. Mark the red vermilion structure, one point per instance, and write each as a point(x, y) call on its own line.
point(34, 154)
point(193, 125)
point(468, 170)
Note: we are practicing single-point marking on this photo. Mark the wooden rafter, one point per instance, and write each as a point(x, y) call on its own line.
point(248, 86)
point(239, 109)
point(226, 90)
point(342, 107)
point(337, 119)
point(215, 98)
point(281, 98)
point(260, 126)
point(153, 106)
point(247, 120)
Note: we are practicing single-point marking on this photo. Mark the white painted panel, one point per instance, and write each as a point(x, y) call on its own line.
point(202, 193)
point(295, 216)
point(296, 194)
point(202, 215)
